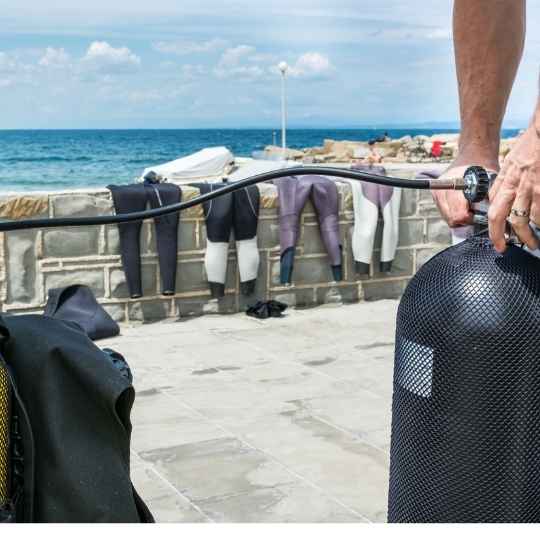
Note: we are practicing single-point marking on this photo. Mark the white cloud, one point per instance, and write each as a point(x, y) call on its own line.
point(103, 58)
point(232, 57)
point(439, 33)
point(312, 65)
point(7, 63)
point(238, 62)
point(192, 71)
point(182, 48)
point(54, 58)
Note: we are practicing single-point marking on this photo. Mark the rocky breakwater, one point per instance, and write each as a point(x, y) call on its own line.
point(406, 149)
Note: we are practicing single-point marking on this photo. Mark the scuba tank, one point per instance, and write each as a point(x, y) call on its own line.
point(466, 401)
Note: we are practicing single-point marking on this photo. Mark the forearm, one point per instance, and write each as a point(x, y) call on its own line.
point(489, 37)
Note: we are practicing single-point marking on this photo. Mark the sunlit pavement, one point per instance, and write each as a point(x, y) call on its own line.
point(241, 420)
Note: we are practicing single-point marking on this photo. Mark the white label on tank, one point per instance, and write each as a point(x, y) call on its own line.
point(414, 367)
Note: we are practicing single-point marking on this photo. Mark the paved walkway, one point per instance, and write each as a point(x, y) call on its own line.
point(240, 420)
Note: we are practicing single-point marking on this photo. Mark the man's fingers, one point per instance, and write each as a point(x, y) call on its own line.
point(520, 224)
point(501, 206)
point(522, 207)
point(499, 180)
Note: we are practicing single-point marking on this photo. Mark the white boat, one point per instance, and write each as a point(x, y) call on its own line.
point(213, 165)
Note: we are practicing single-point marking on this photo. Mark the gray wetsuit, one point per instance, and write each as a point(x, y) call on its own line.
point(294, 193)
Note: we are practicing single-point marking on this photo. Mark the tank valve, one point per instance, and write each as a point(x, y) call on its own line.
point(477, 183)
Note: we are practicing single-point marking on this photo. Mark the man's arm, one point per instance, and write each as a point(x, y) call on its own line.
point(517, 189)
point(488, 42)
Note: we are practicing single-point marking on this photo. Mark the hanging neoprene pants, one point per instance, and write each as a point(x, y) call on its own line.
point(237, 212)
point(367, 199)
point(294, 193)
point(134, 198)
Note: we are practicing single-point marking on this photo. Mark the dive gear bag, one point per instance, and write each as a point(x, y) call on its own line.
point(77, 303)
point(64, 427)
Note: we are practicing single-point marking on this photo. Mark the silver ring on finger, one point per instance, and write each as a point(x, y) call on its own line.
point(516, 212)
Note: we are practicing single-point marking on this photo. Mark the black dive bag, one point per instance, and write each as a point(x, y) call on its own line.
point(64, 427)
point(466, 407)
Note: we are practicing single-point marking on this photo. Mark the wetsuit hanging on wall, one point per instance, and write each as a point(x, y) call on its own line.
point(293, 195)
point(237, 212)
point(134, 198)
point(367, 199)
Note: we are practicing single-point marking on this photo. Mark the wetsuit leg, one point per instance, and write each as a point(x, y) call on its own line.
point(219, 221)
point(366, 215)
point(293, 193)
point(126, 199)
point(325, 198)
point(390, 202)
point(245, 222)
point(166, 228)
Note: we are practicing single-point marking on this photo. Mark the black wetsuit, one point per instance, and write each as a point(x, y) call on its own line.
point(134, 198)
point(238, 212)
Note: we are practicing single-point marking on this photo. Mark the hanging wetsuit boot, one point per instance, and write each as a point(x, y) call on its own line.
point(127, 199)
point(166, 228)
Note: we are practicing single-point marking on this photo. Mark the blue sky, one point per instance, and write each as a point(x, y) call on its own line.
point(209, 63)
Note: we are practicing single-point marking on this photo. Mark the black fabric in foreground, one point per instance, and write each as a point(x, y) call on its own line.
point(75, 428)
point(265, 310)
point(466, 406)
point(77, 304)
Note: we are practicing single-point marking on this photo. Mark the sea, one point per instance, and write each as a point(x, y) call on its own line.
point(37, 160)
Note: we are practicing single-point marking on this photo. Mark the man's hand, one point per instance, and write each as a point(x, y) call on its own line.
point(517, 191)
point(452, 204)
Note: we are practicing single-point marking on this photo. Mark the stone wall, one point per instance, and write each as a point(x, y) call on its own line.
point(31, 262)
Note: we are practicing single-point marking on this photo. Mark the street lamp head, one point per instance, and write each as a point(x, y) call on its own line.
point(282, 66)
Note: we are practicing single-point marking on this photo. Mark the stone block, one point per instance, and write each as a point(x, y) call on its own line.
point(116, 311)
point(112, 240)
point(21, 266)
point(424, 195)
point(428, 209)
point(340, 294)
point(187, 235)
point(118, 283)
point(197, 211)
point(384, 290)
point(190, 277)
point(438, 232)
point(71, 242)
point(403, 264)
point(268, 234)
point(409, 200)
point(92, 277)
point(24, 206)
point(411, 232)
point(299, 298)
point(81, 205)
point(306, 271)
point(148, 238)
point(153, 310)
point(191, 307)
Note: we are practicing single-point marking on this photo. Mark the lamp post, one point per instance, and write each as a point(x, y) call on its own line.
point(283, 67)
